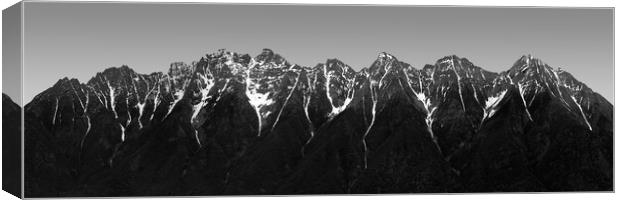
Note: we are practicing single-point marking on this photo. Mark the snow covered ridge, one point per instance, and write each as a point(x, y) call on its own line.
point(268, 82)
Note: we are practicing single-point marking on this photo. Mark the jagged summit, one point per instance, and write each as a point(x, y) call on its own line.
point(267, 69)
point(224, 56)
point(225, 64)
point(386, 56)
point(386, 63)
point(179, 68)
point(268, 56)
point(66, 80)
point(123, 69)
point(526, 62)
point(532, 69)
point(461, 67)
point(333, 64)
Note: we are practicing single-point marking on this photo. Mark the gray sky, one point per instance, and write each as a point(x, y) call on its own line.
point(11, 51)
point(79, 39)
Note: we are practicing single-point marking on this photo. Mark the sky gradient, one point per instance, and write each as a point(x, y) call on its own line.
point(77, 40)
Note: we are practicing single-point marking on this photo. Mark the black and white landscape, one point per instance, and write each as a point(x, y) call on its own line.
point(233, 124)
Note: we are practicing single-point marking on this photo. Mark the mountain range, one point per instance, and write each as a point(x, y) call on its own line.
point(232, 124)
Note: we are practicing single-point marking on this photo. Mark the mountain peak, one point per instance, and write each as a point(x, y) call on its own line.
point(268, 56)
point(114, 73)
point(66, 80)
point(449, 61)
point(384, 62)
point(527, 61)
point(224, 54)
point(526, 57)
point(336, 62)
point(458, 63)
point(384, 55)
point(336, 66)
point(177, 68)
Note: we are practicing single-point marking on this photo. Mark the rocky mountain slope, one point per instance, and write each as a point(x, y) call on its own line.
point(11, 146)
point(232, 124)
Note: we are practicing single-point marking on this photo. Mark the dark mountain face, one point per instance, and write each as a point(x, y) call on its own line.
point(11, 146)
point(233, 124)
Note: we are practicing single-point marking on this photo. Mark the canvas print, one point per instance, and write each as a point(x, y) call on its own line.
point(155, 99)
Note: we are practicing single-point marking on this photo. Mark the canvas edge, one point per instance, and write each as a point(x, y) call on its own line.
point(12, 22)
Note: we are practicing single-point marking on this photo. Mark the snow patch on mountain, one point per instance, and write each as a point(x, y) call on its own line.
point(205, 82)
point(112, 98)
point(350, 91)
point(177, 95)
point(258, 100)
point(491, 105)
point(156, 99)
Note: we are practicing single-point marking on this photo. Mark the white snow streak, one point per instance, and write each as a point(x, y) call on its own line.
point(429, 110)
point(387, 68)
point(306, 103)
point(207, 83)
point(327, 87)
point(112, 104)
point(350, 93)
point(140, 106)
point(220, 91)
point(55, 112)
point(557, 79)
point(141, 102)
point(534, 96)
point(475, 94)
point(78, 97)
point(458, 78)
point(126, 122)
point(373, 95)
point(197, 139)
point(97, 95)
point(128, 114)
point(87, 102)
point(88, 125)
point(285, 102)
point(122, 132)
point(178, 95)
point(522, 93)
point(582, 114)
point(156, 99)
point(491, 105)
point(256, 99)
point(87, 131)
point(100, 96)
point(307, 98)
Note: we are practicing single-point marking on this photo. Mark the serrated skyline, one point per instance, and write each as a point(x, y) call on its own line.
point(78, 40)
